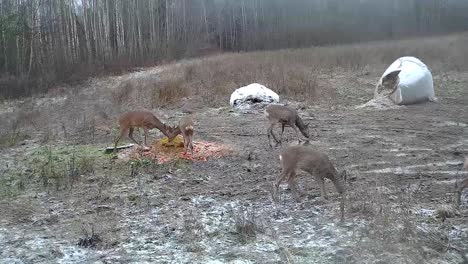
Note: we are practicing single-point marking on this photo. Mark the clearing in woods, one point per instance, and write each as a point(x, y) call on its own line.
point(58, 188)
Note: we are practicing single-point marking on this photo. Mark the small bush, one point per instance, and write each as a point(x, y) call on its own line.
point(247, 225)
point(61, 167)
point(169, 91)
point(189, 72)
point(122, 92)
point(89, 241)
point(12, 182)
point(11, 139)
point(53, 170)
point(86, 165)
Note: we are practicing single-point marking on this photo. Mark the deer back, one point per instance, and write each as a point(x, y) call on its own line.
point(280, 113)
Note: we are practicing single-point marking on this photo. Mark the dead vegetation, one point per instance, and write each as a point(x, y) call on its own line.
point(304, 74)
point(392, 226)
point(383, 217)
point(89, 240)
point(248, 224)
point(11, 139)
point(297, 74)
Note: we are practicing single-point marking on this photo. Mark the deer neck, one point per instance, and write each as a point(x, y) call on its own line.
point(302, 127)
point(174, 133)
point(161, 126)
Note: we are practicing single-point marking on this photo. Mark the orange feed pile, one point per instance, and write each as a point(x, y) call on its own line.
point(163, 151)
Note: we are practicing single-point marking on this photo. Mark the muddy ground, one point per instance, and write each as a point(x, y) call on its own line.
point(403, 164)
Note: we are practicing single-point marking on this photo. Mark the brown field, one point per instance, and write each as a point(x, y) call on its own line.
point(58, 188)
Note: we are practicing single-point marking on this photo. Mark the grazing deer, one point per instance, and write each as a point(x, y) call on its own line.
point(141, 118)
point(304, 158)
point(463, 184)
point(186, 129)
point(285, 116)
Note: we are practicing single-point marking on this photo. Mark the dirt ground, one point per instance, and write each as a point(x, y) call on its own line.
point(402, 163)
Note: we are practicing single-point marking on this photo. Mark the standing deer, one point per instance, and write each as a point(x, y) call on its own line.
point(294, 158)
point(285, 116)
point(140, 118)
point(186, 128)
point(462, 185)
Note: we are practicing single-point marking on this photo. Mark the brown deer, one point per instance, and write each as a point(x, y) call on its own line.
point(294, 158)
point(140, 118)
point(286, 116)
point(186, 128)
point(462, 185)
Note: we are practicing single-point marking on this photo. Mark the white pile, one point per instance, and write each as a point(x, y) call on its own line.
point(251, 94)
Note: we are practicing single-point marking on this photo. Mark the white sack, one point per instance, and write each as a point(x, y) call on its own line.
point(415, 83)
point(253, 93)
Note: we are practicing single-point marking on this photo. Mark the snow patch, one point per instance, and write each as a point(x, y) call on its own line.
point(251, 94)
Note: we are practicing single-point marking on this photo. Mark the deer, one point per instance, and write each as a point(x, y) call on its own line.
point(462, 185)
point(317, 164)
point(286, 116)
point(186, 128)
point(140, 119)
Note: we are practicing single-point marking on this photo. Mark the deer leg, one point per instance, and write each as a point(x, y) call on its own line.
point(282, 131)
point(297, 133)
point(269, 136)
point(273, 134)
point(186, 144)
point(191, 145)
point(463, 185)
point(292, 183)
point(270, 133)
point(130, 135)
point(342, 208)
point(279, 179)
point(145, 130)
point(321, 182)
point(184, 136)
point(122, 133)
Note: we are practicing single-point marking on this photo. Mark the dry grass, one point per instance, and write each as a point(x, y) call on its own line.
point(306, 74)
point(12, 139)
point(247, 224)
point(168, 92)
point(326, 76)
point(392, 228)
point(122, 92)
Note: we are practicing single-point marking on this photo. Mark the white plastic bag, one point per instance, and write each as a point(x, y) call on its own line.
point(415, 82)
